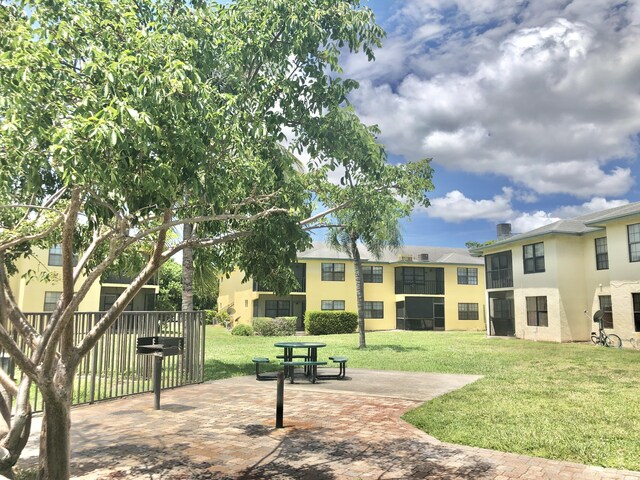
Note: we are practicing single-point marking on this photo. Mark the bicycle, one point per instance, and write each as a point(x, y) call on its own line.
point(603, 338)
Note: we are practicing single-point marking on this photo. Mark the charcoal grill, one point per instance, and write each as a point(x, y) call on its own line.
point(159, 348)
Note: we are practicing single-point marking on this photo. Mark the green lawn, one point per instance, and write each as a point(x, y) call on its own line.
point(569, 402)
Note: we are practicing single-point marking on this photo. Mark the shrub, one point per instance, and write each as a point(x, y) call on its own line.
point(324, 323)
point(279, 326)
point(210, 317)
point(286, 325)
point(219, 317)
point(263, 326)
point(242, 330)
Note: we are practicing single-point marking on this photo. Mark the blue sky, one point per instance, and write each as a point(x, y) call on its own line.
point(530, 110)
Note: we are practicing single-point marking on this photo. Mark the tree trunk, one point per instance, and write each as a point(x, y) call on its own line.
point(187, 293)
point(355, 254)
point(17, 436)
point(55, 444)
point(187, 271)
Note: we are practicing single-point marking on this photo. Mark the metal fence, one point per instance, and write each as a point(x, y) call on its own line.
point(113, 369)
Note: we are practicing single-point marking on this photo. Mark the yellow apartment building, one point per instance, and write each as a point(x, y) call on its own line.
point(539, 283)
point(416, 288)
point(34, 295)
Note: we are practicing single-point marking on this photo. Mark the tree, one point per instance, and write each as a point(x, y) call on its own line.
point(376, 194)
point(205, 281)
point(170, 286)
point(121, 120)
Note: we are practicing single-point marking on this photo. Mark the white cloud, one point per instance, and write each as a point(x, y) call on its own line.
point(542, 93)
point(530, 221)
point(594, 205)
point(454, 207)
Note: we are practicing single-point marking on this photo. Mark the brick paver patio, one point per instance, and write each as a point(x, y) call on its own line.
point(225, 430)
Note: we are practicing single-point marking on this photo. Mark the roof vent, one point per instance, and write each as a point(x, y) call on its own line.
point(406, 258)
point(503, 230)
point(424, 257)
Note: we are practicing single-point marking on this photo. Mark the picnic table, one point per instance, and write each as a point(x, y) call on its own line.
point(309, 360)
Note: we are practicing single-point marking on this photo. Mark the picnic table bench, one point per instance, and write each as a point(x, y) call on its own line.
point(342, 363)
point(310, 365)
point(262, 361)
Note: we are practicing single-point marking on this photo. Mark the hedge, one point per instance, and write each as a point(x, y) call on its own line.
point(328, 322)
point(242, 330)
point(271, 327)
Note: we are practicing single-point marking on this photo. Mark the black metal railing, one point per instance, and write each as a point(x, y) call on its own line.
point(302, 288)
point(499, 279)
point(419, 323)
point(429, 287)
point(112, 368)
point(125, 279)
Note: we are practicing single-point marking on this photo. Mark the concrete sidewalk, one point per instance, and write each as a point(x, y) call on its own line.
point(347, 429)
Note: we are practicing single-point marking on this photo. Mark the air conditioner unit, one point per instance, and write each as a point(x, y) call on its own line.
point(406, 258)
point(424, 257)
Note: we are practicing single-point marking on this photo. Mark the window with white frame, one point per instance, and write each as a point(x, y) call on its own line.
point(533, 257)
point(332, 305)
point(50, 300)
point(372, 274)
point(607, 308)
point(333, 272)
point(636, 310)
point(633, 234)
point(373, 309)
point(468, 311)
point(467, 276)
point(55, 256)
point(602, 254)
point(537, 314)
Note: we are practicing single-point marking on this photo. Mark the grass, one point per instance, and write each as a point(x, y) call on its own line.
point(574, 402)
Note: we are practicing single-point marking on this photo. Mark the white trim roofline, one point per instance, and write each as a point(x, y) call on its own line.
point(577, 226)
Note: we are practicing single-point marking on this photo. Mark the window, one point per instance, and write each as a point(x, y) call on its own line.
point(300, 271)
point(333, 272)
point(467, 276)
point(606, 307)
point(50, 300)
point(108, 299)
point(420, 280)
point(498, 270)
point(332, 305)
point(537, 314)
point(373, 309)
point(636, 310)
point(468, 311)
point(602, 254)
point(633, 232)
point(533, 258)
point(55, 256)
point(371, 274)
point(277, 308)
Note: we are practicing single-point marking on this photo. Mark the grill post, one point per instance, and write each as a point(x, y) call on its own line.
point(157, 380)
point(280, 400)
point(159, 347)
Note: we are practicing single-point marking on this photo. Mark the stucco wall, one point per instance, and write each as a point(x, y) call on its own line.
point(240, 295)
point(30, 293)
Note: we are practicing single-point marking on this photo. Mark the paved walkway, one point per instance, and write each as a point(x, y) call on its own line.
point(333, 430)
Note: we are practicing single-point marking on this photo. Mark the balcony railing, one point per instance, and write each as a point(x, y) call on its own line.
point(301, 281)
point(429, 287)
point(126, 279)
point(499, 279)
